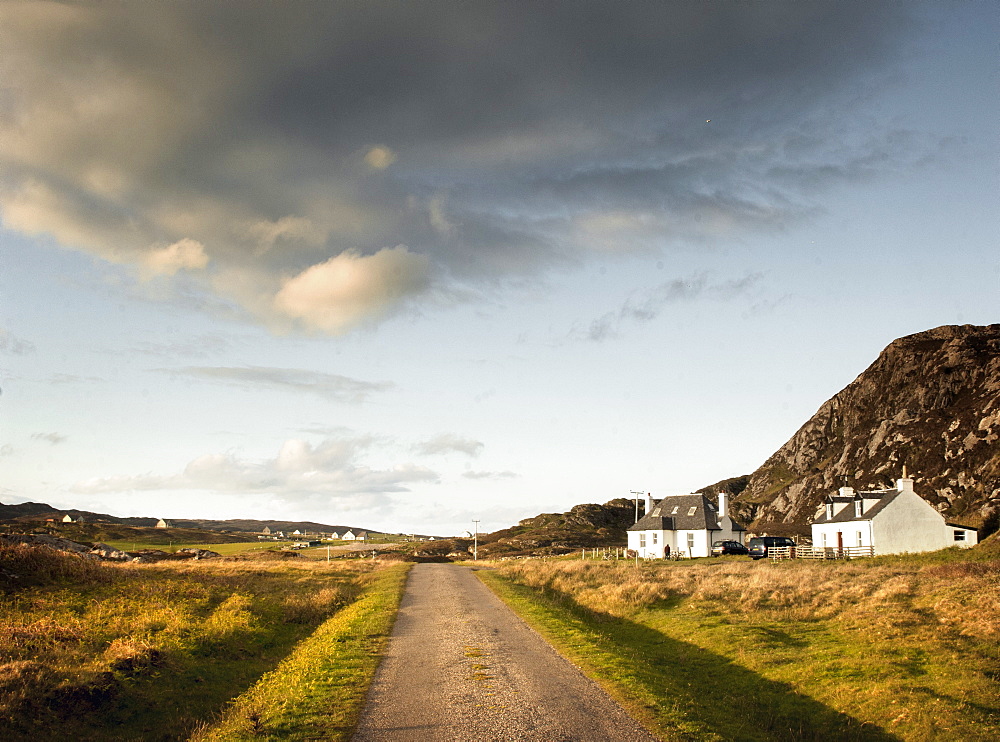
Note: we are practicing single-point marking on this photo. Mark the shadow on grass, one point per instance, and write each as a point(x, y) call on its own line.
point(690, 692)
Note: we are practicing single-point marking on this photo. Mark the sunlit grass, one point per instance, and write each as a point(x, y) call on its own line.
point(149, 651)
point(901, 647)
point(318, 692)
point(169, 546)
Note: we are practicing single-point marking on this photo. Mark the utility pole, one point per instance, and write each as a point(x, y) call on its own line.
point(637, 495)
point(475, 542)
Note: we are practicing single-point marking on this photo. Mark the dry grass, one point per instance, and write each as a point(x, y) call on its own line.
point(962, 595)
point(904, 646)
point(87, 646)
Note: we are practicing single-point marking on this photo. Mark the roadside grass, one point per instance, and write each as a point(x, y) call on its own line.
point(92, 650)
point(876, 649)
point(318, 692)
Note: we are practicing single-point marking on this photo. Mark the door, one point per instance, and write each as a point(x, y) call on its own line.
point(840, 541)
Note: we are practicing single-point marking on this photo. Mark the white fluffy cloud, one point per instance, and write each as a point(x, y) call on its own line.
point(448, 443)
point(350, 288)
point(186, 254)
point(300, 470)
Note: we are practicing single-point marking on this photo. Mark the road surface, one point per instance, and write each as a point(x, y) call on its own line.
point(462, 667)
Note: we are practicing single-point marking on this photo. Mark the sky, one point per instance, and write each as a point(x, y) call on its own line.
point(407, 266)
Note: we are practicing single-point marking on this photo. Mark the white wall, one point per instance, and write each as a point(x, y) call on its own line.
point(907, 524)
point(849, 530)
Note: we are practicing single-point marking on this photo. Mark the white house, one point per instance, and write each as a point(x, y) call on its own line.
point(348, 536)
point(891, 521)
point(334, 535)
point(162, 523)
point(688, 524)
point(67, 518)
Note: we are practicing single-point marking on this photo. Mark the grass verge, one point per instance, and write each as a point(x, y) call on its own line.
point(890, 649)
point(92, 650)
point(319, 690)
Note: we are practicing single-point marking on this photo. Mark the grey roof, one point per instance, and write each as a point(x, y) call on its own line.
point(847, 515)
point(671, 514)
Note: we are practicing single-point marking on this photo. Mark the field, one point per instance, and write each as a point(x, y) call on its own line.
point(92, 650)
point(890, 648)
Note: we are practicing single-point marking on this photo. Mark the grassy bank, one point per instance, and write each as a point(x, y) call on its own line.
point(891, 648)
point(91, 650)
point(319, 691)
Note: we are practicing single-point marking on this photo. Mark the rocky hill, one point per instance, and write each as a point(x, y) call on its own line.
point(931, 402)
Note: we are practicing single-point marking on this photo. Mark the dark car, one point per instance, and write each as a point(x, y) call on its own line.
point(719, 548)
point(759, 546)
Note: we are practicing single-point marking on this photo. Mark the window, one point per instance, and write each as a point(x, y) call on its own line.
point(824, 537)
point(692, 510)
point(959, 535)
point(642, 540)
point(829, 510)
point(859, 539)
point(654, 539)
point(676, 508)
point(690, 544)
point(857, 508)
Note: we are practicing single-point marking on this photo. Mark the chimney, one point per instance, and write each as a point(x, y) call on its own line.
point(846, 492)
point(904, 485)
point(649, 503)
point(723, 506)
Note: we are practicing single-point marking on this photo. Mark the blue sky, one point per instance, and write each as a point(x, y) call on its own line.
point(403, 269)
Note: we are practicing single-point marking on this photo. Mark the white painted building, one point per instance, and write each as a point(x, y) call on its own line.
point(687, 524)
point(893, 521)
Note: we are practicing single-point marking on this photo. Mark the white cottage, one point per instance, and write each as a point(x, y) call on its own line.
point(891, 521)
point(687, 524)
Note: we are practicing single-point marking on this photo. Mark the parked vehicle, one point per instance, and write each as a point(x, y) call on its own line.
point(759, 546)
point(719, 548)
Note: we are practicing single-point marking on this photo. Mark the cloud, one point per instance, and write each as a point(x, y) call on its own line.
point(15, 345)
point(492, 475)
point(73, 379)
point(329, 386)
point(299, 471)
point(186, 254)
point(6, 450)
point(54, 438)
point(448, 443)
point(648, 305)
point(380, 157)
point(495, 142)
point(344, 291)
point(201, 346)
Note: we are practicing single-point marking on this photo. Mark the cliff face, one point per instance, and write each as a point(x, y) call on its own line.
point(931, 402)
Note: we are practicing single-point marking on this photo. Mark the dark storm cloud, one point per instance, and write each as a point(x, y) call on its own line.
point(325, 165)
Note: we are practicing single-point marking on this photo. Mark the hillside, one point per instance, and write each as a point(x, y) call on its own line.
point(588, 525)
point(39, 511)
point(930, 401)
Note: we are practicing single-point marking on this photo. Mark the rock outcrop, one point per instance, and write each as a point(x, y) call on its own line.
point(931, 402)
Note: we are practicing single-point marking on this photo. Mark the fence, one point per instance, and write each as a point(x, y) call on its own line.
point(819, 552)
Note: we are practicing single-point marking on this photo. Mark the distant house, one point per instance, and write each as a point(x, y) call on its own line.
point(67, 518)
point(687, 524)
point(80, 519)
point(893, 521)
point(266, 530)
point(162, 523)
point(334, 535)
point(296, 532)
point(352, 536)
point(361, 536)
